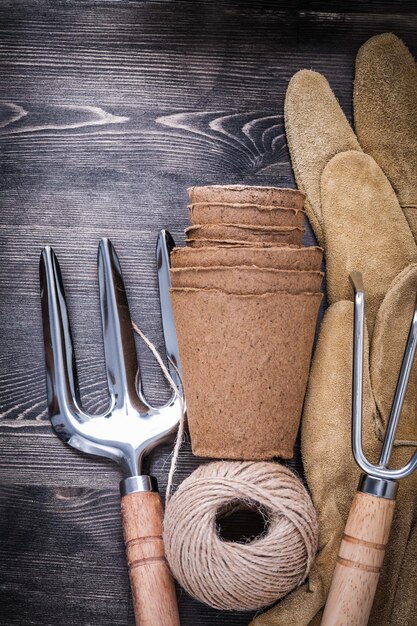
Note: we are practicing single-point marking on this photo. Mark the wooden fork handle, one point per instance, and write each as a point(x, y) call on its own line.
point(153, 589)
point(358, 566)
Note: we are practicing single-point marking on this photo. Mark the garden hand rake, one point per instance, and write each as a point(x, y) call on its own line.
point(362, 550)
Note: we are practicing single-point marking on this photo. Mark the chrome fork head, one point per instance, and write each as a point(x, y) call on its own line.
point(130, 427)
point(380, 471)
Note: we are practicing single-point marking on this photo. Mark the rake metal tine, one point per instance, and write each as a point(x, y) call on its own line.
point(165, 243)
point(358, 352)
point(400, 391)
point(62, 385)
point(122, 366)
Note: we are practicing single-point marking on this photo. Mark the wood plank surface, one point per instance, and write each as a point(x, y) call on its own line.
point(108, 111)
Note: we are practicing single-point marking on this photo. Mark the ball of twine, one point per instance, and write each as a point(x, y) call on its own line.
point(240, 576)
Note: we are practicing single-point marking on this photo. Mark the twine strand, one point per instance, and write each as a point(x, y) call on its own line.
point(177, 392)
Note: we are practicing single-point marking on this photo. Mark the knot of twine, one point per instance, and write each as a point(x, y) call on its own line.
point(240, 576)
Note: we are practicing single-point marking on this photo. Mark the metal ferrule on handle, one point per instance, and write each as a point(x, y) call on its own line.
point(379, 487)
point(134, 484)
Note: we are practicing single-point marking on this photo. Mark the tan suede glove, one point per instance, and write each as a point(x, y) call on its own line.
point(385, 111)
point(358, 220)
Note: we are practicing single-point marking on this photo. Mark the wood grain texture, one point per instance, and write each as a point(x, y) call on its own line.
point(359, 562)
point(108, 111)
point(151, 582)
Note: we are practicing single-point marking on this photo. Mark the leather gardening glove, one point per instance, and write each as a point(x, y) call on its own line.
point(359, 222)
point(385, 111)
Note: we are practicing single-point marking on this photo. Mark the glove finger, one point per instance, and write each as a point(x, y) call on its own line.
point(316, 130)
point(365, 229)
point(390, 336)
point(385, 107)
point(327, 414)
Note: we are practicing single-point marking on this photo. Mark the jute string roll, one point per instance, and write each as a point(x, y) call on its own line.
point(240, 576)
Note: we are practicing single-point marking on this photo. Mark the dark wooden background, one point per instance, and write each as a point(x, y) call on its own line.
point(108, 111)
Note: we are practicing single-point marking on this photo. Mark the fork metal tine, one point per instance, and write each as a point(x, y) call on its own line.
point(122, 367)
point(165, 243)
point(62, 384)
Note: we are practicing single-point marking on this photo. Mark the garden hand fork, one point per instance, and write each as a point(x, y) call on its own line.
point(130, 427)
point(367, 529)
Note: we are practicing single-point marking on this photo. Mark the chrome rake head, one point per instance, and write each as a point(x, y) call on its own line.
point(130, 427)
point(380, 471)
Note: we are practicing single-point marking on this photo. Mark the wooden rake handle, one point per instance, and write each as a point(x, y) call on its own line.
point(358, 566)
point(153, 589)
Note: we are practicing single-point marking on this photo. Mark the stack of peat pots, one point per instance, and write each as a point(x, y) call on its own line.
point(245, 295)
